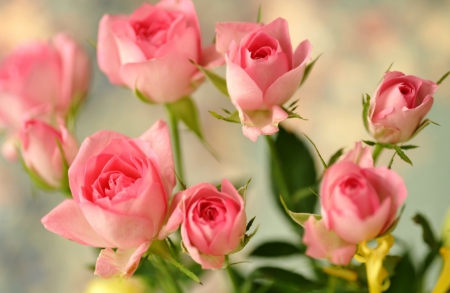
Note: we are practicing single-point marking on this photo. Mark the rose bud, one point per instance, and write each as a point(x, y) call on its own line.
point(360, 155)
point(150, 50)
point(263, 72)
point(212, 222)
point(120, 188)
point(47, 152)
point(398, 107)
point(359, 203)
point(41, 81)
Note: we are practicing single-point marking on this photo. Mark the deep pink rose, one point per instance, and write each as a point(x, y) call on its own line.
point(41, 80)
point(150, 50)
point(41, 146)
point(120, 188)
point(398, 106)
point(213, 222)
point(263, 72)
point(359, 203)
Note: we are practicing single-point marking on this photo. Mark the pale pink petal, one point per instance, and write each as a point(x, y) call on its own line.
point(124, 231)
point(211, 58)
point(159, 138)
point(359, 155)
point(107, 52)
point(286, 85)
point(279, 29)
point(322, 243)
point(68, 221)
point(161, 80)
point(302, 54)
point(227, 32)
point(184, 6)
point(122, 263)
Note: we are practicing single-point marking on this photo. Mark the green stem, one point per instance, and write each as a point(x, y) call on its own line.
point(167, 281)
point(233, 280)
point(376, 153)
point(278, 174)
point(331, 284)
point(173, 124)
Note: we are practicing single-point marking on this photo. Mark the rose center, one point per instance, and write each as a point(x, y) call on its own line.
point(154, 32)
point(262, 46)
point(350, 185)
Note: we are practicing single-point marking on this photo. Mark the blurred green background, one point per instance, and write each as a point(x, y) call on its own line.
point(358, 39)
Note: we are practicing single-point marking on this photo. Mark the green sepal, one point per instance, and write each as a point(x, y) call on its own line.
point(442, 78)
point(35, 178)
point(317, 151)
point(246, 238)
point(161, 249)
point(402, 155)
point(392, 160)
point(259, 15)
point(308, 69)
point(299, 218)
point(368, 142)
point(234, 117)
point(249, 224)
point(182, 184)
point(422, 125)
point(365, 112)
point(64, 183)
point(335, 157)
point(141, 96)
point(243, 190)
point(219, 82)
point(77, 100)
point(292, 114)
point(92, 43)
point(185, 110)
point(389, 68)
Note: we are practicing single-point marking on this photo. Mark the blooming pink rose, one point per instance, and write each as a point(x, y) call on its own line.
point(398, 106)
point(151, 48)
point(120, 188)
point(359, 203)
point(41, 80)
point(360, 155)
point(41, 147)
point(322, 243)
point(213, 222)
point(263, 72)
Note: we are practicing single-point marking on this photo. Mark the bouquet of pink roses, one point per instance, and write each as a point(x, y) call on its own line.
point(129, 197)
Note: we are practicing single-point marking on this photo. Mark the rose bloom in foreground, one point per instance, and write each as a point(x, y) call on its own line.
point(263, 72)
point(41, 80)
point(120, 188)
point(358, 201)
point(212, 222)
point(150, 50)
point(398, 106)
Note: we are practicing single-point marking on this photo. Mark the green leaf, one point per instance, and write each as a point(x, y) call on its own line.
point(422, 125)
point(427, 233)
point(402, 155)
point(404, 276)
point(308, 69)
point(219, 82)
point(299, 218)
point(392, 160)
point(258, 17)
point(318, 153)
point(161, 249)
point(275, 249)
point(443, 78)
point(365, 112)
point(186, 111)
point(368, 142)
point(234, 117)
point(335, 157)
point(298, 170)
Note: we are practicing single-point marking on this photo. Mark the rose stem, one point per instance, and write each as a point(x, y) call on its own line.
point(278, 174)
point(376, 153)
point(168, 281)
point(173, 124)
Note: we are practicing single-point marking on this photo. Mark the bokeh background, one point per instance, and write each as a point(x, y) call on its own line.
point(358, 39)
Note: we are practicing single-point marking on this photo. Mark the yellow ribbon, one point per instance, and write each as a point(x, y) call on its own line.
point(377, 275)
point(443, 283)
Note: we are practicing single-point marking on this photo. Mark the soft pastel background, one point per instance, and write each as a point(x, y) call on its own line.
point(358, 39)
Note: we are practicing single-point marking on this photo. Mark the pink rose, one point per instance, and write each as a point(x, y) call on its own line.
point(263, 72)
point(360, 203)
point(151, 48)
point(41, 147)
point(120, 188)
point(360, 155)
point(213, 222)
point(41, 80)
point(398, 106)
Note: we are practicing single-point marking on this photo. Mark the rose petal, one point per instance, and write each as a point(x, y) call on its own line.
point(227, 32)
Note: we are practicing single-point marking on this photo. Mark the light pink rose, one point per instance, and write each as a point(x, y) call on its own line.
point(41, 80)
point(322, 243)
point(359, 203)
point(120, 188)
point(360, 155)
point(263, 72)
point(213, 222)
point(398, 106)
point(151, 48)
point(41, 146)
